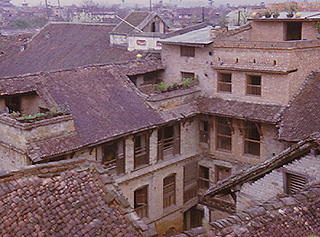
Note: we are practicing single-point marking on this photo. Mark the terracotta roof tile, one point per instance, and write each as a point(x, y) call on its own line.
point(68, 201)
point(302, 117)
point(293, 218)
point(240, 109)
point(65, 45)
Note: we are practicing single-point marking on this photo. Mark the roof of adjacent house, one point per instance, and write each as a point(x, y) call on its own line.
point(138, 19)
point(253, 111)
point(71, 197)
point(294, 152)
point(302, 116)
point(284, 215)
point(104, 102)
point(65, 45)
point(195, 37)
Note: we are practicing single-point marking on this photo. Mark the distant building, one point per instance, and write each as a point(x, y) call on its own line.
point(139, 31)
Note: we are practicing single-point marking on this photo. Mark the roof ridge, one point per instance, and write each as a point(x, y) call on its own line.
point(264, 167)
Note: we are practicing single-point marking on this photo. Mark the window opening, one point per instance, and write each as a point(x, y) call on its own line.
point(294, 183)
point(169, 191)
point(190, 174)
point(253, 85)
point(141, 201)
point(222, 172)
point(204, 181)
point(141, 150)
point(168, 141)
point(224, 134)
point(293, 31)
point(252, 139)
point(224, 82)
point(187, 51)
point(204, 131)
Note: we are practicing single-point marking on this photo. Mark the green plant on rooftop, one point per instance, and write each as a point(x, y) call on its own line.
point(182, 83)
point(53, 112)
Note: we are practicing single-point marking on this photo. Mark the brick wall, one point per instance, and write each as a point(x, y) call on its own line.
point(273, 183)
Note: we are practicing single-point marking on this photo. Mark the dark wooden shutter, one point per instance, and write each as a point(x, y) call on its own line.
point(160, 143)
point(190, 181)
point(176, 139)
point(121, 157)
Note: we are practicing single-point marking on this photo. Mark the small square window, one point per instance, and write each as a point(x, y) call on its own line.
point(253, 85)
point(186, 75)
point(294, 183)
point(187, 51)
point(224, 82)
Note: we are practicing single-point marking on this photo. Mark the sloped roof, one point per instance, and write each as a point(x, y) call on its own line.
point(302, 116)
point(65, 198)
point(284, 215)
point(104, 102)
point(240, 109)
point(196, 37)
point(135, 18)
point(65, 45)
point(296, 151)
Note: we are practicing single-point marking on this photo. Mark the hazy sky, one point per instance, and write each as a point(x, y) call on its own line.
point(145, 2)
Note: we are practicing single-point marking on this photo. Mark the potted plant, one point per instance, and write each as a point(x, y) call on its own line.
point(276, 14)
point(291, 10)
point(267, 14)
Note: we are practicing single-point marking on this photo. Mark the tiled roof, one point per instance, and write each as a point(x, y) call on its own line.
point(134, 18)
point(243, 110)
point(302, 117)
point(288, 155)
point(104, 102)
point(65, 198)
point(10, 44)
point(285, 215)
point(65, 45)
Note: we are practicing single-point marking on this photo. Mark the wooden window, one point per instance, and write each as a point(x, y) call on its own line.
point(192, 218)
point(186, 75)
point(141, 150)
point(169, 191)
point(187, 51)
point(294, 183)
point(224, 134)
point(204, 131)
point(252, 139)
point(222, 172)
point(168, 141)
point(113, 155)
point(293, 30)
point(141, 201)
point(204, 181)
point(253, 85)
point(224, 82)
point(190, 181)
point(13, 103)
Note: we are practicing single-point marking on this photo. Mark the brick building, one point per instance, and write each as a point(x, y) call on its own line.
point(252, 80)
point(229, 100)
